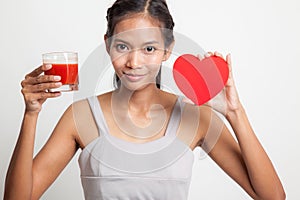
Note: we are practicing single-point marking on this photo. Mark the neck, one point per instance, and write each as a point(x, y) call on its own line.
point(138, 100)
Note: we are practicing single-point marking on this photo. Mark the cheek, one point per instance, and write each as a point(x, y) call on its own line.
point(154, 68)
point(117, 70)
point(155, 62)
point(118, 61)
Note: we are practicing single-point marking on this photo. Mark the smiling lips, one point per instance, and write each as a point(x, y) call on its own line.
point(133, 77)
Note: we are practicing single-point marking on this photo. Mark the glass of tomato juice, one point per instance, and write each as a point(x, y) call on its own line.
point(65, 65)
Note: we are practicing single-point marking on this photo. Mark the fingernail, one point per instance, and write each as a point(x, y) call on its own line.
point(56, 78)
point(48, 66)
point(58, 84)
point(33, 102)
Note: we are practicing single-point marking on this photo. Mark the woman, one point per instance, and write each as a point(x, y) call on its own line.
point(137, 140)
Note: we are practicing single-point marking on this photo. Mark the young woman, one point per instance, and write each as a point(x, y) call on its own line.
point(137, 140)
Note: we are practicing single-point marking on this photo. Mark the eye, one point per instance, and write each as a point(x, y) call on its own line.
point(150, 49)
point(121, 47)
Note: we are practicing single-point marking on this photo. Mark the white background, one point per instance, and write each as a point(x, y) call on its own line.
point(262, 36)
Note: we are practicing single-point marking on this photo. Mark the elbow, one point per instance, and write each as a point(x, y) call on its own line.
point(10, 193)
point(278, 195)
point(282, 195)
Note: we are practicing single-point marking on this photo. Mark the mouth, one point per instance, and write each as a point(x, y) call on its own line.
point(134, 77)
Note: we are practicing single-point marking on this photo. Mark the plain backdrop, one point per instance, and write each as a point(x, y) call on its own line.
point(262, 37)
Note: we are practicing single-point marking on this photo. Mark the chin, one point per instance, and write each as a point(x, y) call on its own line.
point(136, 86)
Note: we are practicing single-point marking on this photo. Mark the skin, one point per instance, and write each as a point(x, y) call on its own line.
point(243, 160)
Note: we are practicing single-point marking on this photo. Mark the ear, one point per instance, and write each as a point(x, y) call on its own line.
point(168, 51)
point(106, 43)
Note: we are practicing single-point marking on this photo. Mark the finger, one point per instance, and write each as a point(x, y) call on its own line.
point(200, 57)
point(208, 54)
point(34, 97)
point(42, 87)
point(41, 79)
point(218, 54)
point(39, 70)
point(228, 60)
point(230, 81)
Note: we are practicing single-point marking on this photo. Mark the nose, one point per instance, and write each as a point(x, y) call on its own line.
point(134, 59)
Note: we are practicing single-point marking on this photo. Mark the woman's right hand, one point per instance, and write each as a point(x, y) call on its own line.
point(35, 88)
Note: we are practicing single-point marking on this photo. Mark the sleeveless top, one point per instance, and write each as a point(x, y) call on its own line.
point(115, 169)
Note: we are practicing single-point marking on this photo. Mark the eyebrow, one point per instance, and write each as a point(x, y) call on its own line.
point(149, 42)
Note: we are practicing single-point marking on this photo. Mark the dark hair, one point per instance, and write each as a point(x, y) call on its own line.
point(157, 9)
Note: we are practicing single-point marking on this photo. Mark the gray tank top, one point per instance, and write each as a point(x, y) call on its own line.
point(115, 169)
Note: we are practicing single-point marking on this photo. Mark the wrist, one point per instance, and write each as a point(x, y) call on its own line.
point(31, 114)
point(236, 113)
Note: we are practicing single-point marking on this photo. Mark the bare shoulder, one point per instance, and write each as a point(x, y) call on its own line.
point(167, 99)
point(84, 122)
point(105, 98)
point(195, 124)
point(105, 95)
point(82, 106)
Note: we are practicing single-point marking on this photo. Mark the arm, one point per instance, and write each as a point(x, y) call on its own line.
point(28, 178)
point(245, 160)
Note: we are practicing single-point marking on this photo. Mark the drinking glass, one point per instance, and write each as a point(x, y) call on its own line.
point(65, 65)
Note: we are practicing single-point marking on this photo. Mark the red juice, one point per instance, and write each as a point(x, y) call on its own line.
point(67, 72)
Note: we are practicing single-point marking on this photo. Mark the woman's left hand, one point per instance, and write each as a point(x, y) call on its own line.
point(227, 101)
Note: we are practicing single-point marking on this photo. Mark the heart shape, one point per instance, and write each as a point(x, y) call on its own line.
point(200, 80)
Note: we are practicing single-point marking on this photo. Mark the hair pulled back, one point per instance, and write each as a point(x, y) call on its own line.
point(156, 9)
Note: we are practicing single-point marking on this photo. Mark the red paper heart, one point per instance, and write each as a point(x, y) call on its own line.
point(201, 80)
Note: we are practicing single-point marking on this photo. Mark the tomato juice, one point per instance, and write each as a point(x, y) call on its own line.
point(67, 72)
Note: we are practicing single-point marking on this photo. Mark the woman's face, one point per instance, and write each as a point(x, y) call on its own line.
point(137, 51)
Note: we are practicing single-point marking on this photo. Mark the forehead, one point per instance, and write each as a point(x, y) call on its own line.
point(138, 29)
